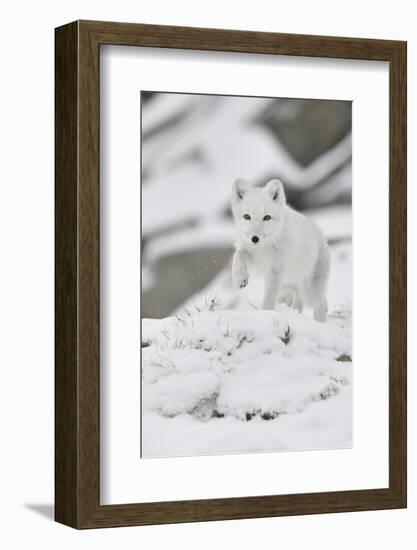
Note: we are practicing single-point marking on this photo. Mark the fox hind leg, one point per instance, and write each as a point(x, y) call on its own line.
point(320, 311)
point(272, 289)
point(317, 285)
point(298, 302)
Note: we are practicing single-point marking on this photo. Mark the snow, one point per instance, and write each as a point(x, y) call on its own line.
point(326, 425)
point(216, 381)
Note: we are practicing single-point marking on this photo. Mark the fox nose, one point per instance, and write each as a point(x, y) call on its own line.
point(255, 239)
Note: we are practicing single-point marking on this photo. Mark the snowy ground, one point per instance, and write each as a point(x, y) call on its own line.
point(218, 380)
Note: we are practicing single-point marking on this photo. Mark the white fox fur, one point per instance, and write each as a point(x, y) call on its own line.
point(289, 249)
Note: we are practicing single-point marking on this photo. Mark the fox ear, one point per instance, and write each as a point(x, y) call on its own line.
point(275, 190)
point(240, 187)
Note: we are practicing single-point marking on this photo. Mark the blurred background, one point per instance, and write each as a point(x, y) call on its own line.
point(194, 147)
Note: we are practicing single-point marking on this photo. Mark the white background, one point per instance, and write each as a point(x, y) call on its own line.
point(124, 477)
point(26, 300)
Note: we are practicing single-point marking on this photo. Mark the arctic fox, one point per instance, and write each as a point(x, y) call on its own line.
point(290, 249)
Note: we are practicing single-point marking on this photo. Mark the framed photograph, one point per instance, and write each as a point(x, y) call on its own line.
point(230, 274)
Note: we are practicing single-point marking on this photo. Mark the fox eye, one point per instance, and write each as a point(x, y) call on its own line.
point(267, 218)
point(246, 217)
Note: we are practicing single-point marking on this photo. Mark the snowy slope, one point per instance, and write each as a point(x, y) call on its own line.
point(217, 381)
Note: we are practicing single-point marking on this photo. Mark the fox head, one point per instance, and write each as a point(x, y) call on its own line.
point(258, 211)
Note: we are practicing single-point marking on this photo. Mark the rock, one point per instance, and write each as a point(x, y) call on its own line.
point(314, 127)
point(179, 276)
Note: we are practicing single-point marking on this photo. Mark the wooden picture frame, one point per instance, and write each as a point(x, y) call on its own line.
point(77, 359)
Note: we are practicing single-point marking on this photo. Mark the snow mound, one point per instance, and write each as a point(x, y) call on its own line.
point(242, 364)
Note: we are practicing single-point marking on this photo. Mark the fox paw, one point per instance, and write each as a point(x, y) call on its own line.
point(240, 282)
point(243, 283)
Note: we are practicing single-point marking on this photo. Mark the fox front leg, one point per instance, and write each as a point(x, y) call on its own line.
point(240, 274)
point(272, 287)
